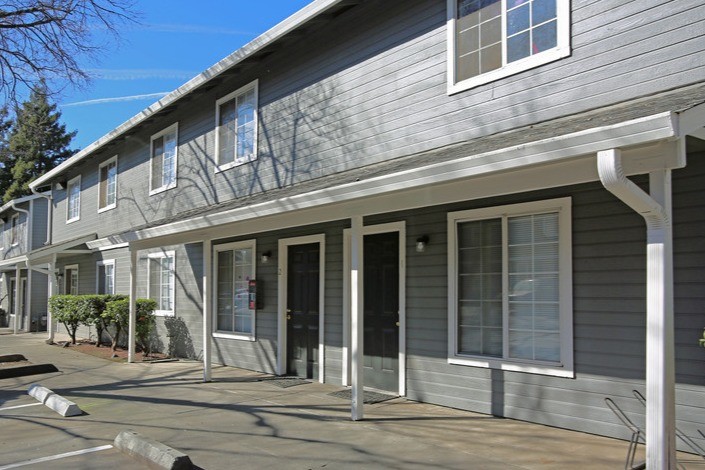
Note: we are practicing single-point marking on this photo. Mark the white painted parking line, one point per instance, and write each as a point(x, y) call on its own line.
point(57, 457)
point(19, 406)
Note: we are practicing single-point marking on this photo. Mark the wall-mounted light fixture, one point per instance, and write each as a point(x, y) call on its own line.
point(266, 256)
point(421, 243)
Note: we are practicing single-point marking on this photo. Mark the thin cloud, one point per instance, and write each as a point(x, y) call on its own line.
point(118, 99)
point(196, 29)
point(141, 74)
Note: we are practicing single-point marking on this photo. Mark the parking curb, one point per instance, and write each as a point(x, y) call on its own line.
point(153, 452)
point(56, 402)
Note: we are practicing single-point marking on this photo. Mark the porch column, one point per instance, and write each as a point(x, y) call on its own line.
point(16, 294)
point(660, 356)
point(52, 289)
point(133, 305)
point(207, 309)
point(357, 319)
point(28, 299)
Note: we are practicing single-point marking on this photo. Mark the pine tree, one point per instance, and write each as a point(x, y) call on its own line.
point(38, 142)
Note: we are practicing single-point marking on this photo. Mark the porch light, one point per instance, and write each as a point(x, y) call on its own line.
point(421, 243)
point(265, 257)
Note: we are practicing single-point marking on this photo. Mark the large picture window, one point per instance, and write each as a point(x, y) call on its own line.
point(107, 194)
point(491, 39)
point(161, 281)
point(164, 150)
point(236, 127)
point(73, 196)
point(511, 287)
point(235, 267)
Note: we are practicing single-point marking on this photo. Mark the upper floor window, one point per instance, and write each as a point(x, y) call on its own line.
point(236, 127)
point(2, 234)
point(163, 159)
point(107, 194)
point(491, 39)
point(14, 228)
point(161, 281)
point(510, 294)
point(73, 206)
point(105, 276)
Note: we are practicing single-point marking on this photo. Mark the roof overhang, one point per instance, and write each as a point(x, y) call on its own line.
point(46, 253)
point(293, 22)
point(13, 263)
point(648, 143)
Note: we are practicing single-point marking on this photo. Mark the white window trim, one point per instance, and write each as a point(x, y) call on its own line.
point(226, 166)
point(107, 162)
point(105, 262)
point(162, 255)
point(14, 230)
point(72, 181)
point(252, 244)
point(164, 187)
point(73, 267)
point(565, 296)
point(561, 50)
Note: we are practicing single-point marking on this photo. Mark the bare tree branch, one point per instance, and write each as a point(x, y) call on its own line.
point(46, 40)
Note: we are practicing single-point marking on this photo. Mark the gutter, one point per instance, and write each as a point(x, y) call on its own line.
point(655, 208)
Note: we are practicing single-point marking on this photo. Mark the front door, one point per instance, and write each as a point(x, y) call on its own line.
point(381, 322)
point(303, 310)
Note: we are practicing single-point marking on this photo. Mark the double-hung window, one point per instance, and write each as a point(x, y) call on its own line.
point(105, 279)
point(491, 39)
point(510, 291)
point(234, 268)
point(71, 279)
point(236, 127)
point(163, 156)
point(161, 281)
point(73, 205)
point(107, 193)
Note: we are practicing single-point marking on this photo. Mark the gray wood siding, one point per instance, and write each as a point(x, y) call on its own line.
point(370, 86)
point(39, 222)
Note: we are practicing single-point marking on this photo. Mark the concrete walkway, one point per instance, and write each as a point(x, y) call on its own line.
point(240, 421)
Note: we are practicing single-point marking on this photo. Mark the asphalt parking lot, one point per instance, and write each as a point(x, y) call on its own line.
point(240, 420)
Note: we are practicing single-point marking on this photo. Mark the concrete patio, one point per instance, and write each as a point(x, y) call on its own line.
point(240, 420)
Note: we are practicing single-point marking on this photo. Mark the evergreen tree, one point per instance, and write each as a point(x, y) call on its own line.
point(38, 142)
point(5, 126)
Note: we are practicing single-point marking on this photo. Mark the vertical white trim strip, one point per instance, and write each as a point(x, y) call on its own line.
point(207, 308)
point(133, 306)
point(357, 319)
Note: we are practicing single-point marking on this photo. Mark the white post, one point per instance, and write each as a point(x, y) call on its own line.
point(357, 319)
point(28, 299)
point(16, 294)
point(660, 375)
point(133, 305)
point(207, 309)
point(52, 289)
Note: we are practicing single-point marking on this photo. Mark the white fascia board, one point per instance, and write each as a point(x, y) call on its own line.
point(289, 24)
point(13, 261)
point(19, 200)
point(553, 150)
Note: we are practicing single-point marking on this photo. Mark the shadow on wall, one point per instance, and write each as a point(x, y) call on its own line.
point(180, 343)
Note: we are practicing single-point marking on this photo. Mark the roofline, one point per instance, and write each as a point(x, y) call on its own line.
point(640, 131)
point(270, 36)
point(19, 200)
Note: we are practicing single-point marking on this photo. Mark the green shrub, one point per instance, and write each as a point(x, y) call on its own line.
point(66, 309)
point(145, 323)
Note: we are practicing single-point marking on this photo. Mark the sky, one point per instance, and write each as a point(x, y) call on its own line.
point(173, 41)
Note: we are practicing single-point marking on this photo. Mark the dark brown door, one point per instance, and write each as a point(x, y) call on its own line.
point(381, 340)
point(302, 310)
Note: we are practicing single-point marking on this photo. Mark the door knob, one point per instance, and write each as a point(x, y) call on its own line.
point(288, 317)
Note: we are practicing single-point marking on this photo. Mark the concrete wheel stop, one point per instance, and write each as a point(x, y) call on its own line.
point(154, 453)
point(56, 402)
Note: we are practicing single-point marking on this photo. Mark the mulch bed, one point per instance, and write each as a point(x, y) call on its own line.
point(106, 352)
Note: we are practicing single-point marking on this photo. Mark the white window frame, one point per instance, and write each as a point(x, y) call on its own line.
point(103, 263)
point(175, 129)
point(15, 230)
point(161, 255)
point(245, 244)
point(72, 182)
point(561, 50)
point(67, 280)
point(254, 85)
point(106, 163)
point(564, 368)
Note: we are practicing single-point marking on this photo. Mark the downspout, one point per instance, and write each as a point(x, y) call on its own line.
point(660, 362)
point(50, 211)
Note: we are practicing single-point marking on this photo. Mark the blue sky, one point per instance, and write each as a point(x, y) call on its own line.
point(174, 41)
